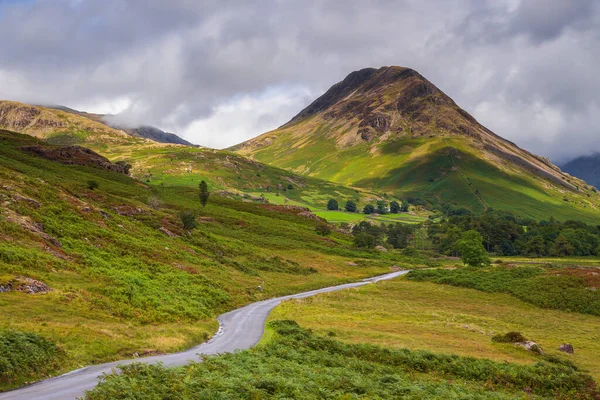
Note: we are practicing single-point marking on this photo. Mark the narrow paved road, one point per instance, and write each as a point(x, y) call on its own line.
point(240, 329)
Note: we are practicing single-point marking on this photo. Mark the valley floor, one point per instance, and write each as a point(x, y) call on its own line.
point(446, 319)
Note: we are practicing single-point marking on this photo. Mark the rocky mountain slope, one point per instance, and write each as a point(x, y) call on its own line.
point(392, 129)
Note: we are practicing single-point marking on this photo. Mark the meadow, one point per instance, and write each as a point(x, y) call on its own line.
point(446, 319)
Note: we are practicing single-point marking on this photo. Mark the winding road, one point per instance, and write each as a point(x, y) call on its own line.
point(239, 329)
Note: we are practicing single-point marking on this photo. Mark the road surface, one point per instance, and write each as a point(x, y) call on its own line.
point(239, 329)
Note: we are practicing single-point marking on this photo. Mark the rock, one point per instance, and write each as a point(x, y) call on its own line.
point(25, 285)
point(31, 202)
point(352, 264)
point(381, 248)
point(128, 211)
point(74, 155)
point(206, 220)
point(167, 232)
point(566, 348)
point(531, 346)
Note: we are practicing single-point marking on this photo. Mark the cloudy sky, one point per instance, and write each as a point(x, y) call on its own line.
point(219, 72)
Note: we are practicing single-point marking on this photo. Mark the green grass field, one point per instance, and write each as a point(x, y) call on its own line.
point(446, 319)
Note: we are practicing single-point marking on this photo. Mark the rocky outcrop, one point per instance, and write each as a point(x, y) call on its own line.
point(566, 348)
point(75, 155)
point(25, 285)
point(531, 346)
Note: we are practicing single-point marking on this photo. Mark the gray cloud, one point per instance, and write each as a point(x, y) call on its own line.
point(213, 70)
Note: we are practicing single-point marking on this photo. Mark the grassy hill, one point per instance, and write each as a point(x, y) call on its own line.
point(117, 273)
point(391, 130)
point(167, 164)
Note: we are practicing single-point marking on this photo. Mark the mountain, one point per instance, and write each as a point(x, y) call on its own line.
point(391, 129)
point(586, 168)
point(143, 131)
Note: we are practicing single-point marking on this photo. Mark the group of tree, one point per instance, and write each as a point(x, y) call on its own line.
point(380, 207)
point(505, 234)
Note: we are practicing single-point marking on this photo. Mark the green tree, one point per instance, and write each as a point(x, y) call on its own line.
point(381, 207)
point(535, 246)
point(323, 230)
point(562, 246)
point(364, 241)
point(405, 206)
point(472, 252)
point(368, 209)
point(204, 193)
point(332, 205)
point(394, 207)
point(350, 206)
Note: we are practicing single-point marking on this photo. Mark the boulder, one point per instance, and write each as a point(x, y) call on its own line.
point(381, 248)
point(166, 232)
point(531, 346)
point(566, 348)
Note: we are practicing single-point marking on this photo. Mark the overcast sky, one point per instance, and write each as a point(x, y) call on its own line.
point(219, 72)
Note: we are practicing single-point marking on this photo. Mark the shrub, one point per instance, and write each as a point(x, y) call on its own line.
point(510, 337)
point(188, 218)
point(323, 230)
point(91, 184)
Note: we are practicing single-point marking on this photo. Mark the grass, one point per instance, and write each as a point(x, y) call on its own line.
point(301, 365)
point(446, 319)
point(121, 286)
point(547, 288)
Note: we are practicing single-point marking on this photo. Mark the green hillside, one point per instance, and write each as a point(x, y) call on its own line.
point(392, 130)
point(118, 274)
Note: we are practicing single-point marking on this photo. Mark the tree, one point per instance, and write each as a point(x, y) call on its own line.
point(350, 206)
point(536, 246)
point(368, 209)
point(204, 193)
point(562, 246)
point(323, 230)
point(394, 207)
point(188, 218)
point(381, 207)
point(472, 252)
point(364, 240)
point(332, 205)
point(405, 206)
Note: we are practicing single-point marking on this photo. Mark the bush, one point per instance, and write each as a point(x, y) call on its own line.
point(323, 230)
point(188, 218)
point(24, 355)
point(298, 364)
point(364, 240)
point(91, 184)
point(510, 337)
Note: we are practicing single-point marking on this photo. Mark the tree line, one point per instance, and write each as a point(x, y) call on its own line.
point(380, 207)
